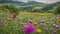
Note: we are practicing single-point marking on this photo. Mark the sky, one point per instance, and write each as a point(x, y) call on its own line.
point(44, 1)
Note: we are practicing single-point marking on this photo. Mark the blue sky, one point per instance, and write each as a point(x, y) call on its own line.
point(45, 1)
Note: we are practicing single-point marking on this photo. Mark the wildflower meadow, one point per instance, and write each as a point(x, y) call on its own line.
point(13, 21)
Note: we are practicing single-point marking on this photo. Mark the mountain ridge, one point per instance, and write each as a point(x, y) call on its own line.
point(23, 3)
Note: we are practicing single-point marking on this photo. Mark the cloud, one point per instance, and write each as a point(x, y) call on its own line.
point(48, 1)
point(45, 1)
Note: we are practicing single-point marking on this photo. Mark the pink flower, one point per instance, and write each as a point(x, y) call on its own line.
point(4, 20)
point(28, 29)
point(13, 16)
point(42, 21)
point(30, 20)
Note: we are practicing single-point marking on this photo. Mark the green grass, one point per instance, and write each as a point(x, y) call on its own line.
point(14, 27)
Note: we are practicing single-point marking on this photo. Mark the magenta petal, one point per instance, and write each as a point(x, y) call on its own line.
point(28, 29)
point(30, 21)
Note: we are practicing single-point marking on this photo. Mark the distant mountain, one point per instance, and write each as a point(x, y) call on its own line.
point(33, 3)
point(22, 3)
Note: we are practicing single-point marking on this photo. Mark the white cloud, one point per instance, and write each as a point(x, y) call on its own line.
point(45, 1)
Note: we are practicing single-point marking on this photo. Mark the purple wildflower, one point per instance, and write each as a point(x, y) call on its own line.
point(30, 21)
point(42, 21)
point(4, 20)
point(29, 29)
point(13, 16)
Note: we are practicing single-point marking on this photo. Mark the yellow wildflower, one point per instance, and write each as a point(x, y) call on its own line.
point(35, 23)
point(58, 20)
point(9, 19)
point(38, 30)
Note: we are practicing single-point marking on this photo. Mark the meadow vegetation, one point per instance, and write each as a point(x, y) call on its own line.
point(13, 18)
